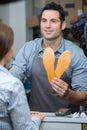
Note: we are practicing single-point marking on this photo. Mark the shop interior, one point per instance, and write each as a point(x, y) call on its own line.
point(24, 16)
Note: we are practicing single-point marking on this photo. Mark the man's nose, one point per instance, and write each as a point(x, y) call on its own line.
point(48, 24)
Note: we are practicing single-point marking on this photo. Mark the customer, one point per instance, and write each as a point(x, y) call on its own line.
point(14, 109)
point(72, 87)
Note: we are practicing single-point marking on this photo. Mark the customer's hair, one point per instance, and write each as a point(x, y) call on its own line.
point(56, 7)
point(6, 39)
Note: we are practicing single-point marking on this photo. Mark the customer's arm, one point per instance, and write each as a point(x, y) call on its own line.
point(19, 110)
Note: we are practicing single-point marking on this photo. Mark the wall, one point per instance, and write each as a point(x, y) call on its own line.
point(14, 14)
point(18, 23)
point(29, 11)
point(4, 13)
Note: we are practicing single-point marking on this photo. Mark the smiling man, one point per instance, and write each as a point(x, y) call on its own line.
point(71, 88)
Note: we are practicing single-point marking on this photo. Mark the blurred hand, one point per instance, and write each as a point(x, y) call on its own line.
point(34, 112)
point(37, 114)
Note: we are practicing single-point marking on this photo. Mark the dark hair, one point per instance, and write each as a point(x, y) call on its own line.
point(6, 39)
point(56, 7)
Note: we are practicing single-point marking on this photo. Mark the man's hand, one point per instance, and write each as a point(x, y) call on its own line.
point(60, 87)
point(63, 90)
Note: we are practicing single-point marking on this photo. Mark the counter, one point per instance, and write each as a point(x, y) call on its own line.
point(52, 122)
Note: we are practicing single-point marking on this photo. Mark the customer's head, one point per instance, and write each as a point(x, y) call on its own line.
point(6, 41)
point(56, 7)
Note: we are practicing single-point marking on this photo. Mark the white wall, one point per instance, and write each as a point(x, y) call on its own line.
point(4, 13)
point(18, 23)
point(14, 14)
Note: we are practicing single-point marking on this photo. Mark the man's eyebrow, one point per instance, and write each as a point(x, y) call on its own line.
point(50, 19)
point(54, 19)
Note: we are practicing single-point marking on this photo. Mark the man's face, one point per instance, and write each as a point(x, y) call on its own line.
point(50, 24)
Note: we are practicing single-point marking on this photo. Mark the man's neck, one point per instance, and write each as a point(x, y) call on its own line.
point(54, 44)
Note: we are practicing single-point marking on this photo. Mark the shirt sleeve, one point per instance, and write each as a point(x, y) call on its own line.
point(79, 72)
point(19, 110)
point(19, 64)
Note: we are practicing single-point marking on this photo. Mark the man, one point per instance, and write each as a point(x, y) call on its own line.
point(72, 87)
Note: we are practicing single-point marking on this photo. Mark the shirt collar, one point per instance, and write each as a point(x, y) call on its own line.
point(60, 49)
point(40, 47)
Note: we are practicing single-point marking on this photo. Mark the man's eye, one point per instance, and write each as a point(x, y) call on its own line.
point(54, 21)
point(43, 20)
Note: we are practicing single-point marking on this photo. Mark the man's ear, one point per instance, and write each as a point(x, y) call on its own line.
point(63, 25)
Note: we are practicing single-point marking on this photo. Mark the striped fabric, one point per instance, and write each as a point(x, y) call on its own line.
point(14, 109)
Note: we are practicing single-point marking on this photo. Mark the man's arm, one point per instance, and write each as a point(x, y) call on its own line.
point(63, 90)
point(76, 97)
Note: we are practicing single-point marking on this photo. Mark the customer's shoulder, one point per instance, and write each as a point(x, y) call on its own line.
point(13, 80)
point(15, 84)
point(10, 83)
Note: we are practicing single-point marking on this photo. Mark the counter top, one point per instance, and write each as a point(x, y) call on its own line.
point(51, 117)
